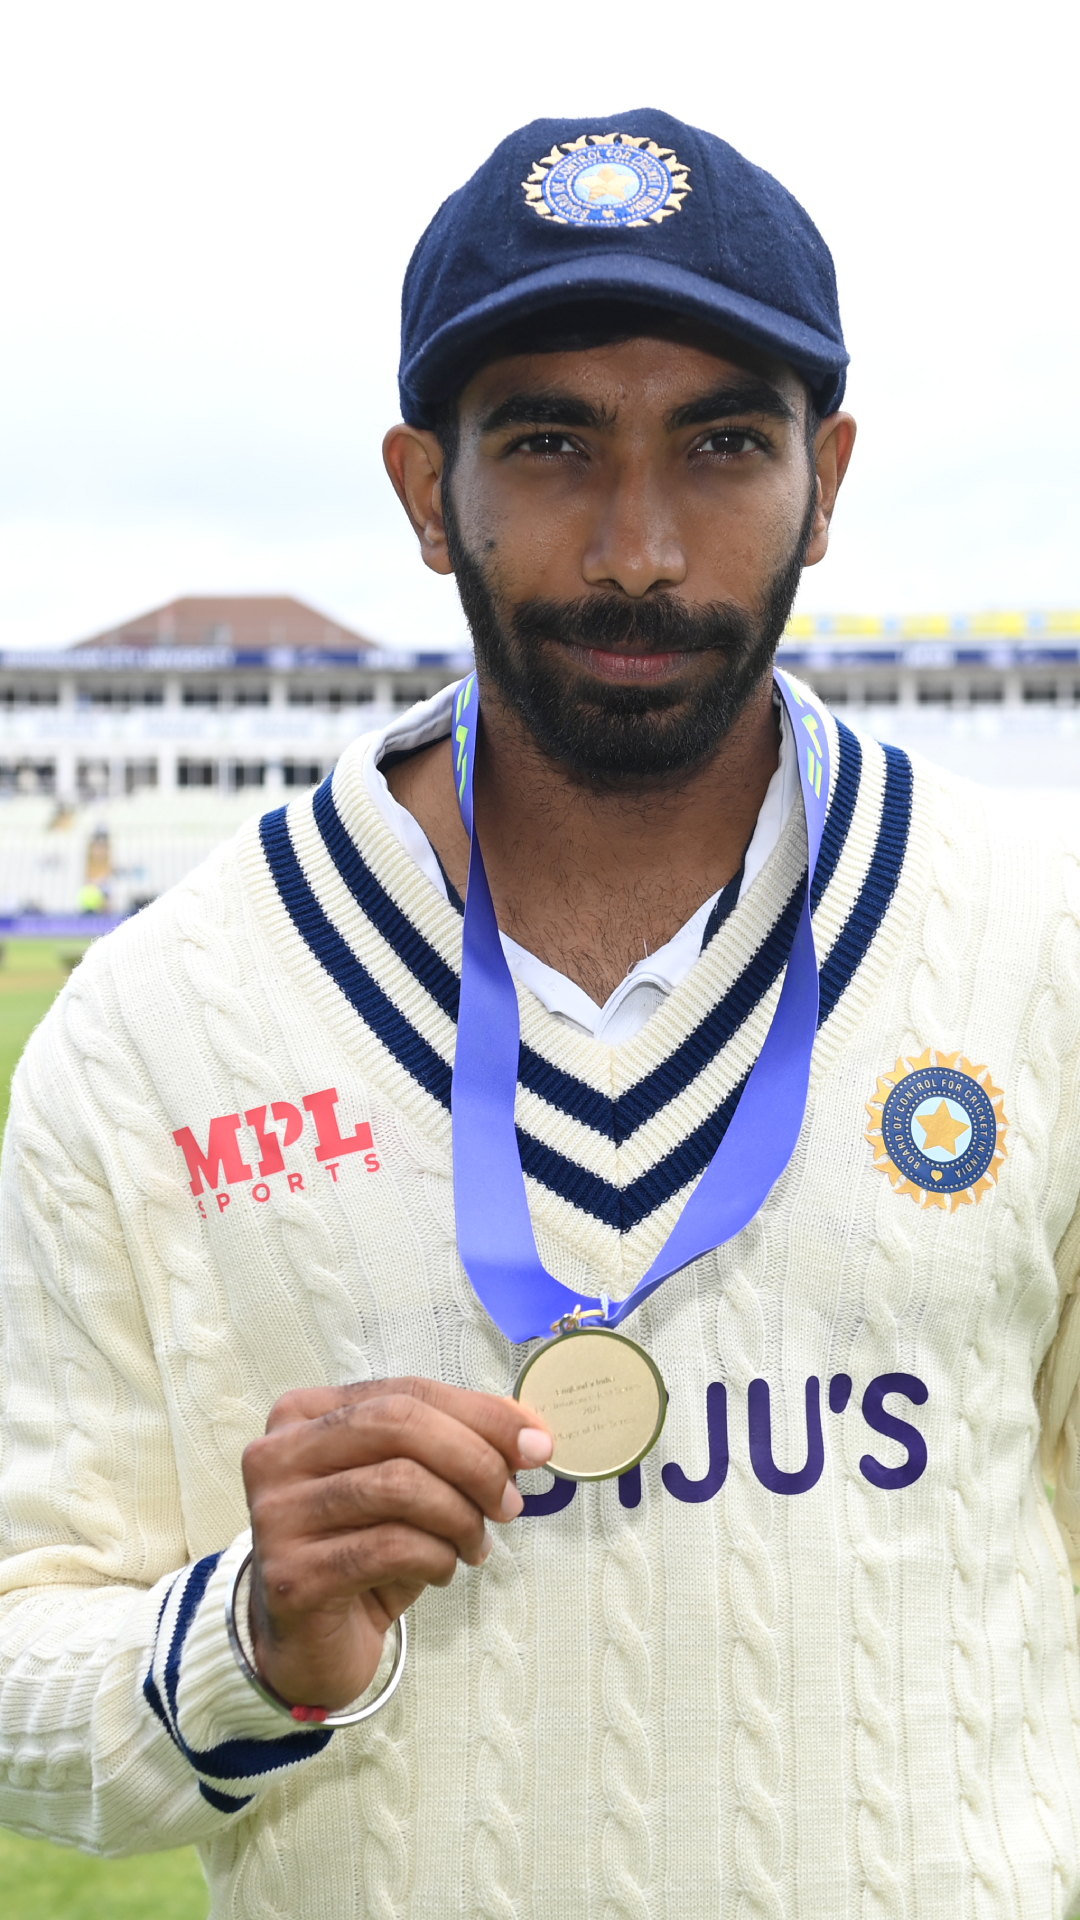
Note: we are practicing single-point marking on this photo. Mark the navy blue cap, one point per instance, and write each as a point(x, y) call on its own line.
point(638, 207)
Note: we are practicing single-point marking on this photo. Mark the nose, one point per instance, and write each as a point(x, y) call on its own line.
point(634, 545)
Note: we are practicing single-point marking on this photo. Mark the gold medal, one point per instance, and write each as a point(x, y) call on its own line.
point(601, 1395)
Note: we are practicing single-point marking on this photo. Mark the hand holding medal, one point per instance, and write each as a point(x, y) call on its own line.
point(362, 1496)
point(599, 1392)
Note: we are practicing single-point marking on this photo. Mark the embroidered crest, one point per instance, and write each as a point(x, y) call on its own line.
point(937, 1127)
point(607, 180)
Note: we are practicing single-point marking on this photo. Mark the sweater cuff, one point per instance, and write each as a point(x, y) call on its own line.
point(236, 1743)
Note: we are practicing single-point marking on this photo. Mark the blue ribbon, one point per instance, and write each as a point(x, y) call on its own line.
point(495, 1234)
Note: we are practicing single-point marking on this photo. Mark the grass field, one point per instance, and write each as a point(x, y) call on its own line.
point(31, 975)
point(39, 1881)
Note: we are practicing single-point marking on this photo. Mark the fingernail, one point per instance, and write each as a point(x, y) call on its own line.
point(534, 1445)
point(486, 1545)
point(512, 1502)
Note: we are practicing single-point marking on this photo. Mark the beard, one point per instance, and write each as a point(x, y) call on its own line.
point(608, 736)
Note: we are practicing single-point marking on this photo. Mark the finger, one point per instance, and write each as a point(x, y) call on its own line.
point(392, 1426)
point(311, 1403)
point(535, 1441)
point(388, 1602)
point(327, 1573)
point(499, 1419)
point(396, 1427)
point(398, 1489)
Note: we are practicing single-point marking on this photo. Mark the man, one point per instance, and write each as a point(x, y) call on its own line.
point(815, 1653)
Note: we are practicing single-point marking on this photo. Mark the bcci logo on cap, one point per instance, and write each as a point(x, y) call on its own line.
point(937, 1127)
point(607, 180)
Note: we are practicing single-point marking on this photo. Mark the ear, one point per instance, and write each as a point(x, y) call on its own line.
point(414, 460)
point(833, 445)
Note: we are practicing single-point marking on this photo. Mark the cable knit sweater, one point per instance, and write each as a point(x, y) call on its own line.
point(818, 1656)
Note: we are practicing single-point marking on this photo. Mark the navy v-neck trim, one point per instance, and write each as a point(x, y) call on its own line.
point(613, 1118)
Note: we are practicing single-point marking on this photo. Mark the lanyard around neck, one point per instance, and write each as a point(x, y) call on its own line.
point(494, 1230)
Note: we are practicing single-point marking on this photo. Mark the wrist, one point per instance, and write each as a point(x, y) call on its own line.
point(313, 1658)
point(239, 1605)
point(195, 1671)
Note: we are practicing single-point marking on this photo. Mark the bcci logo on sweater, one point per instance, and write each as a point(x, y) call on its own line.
point(607, 180)
point(937, 1127)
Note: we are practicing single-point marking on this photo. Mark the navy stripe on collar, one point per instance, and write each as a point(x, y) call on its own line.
point(879, 883)
point(725, 905)
point(360, 988)
point(416, 953)
point(428, 966)
point(841, 809)
point(624, 1208)
point(615, 1120)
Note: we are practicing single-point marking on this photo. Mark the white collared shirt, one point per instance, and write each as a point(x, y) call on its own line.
point(648, 983)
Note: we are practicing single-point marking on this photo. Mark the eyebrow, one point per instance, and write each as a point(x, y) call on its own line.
point(549, 409)
point(731, 402)
point(554, 409)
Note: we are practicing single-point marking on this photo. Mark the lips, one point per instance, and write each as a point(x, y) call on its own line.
point(639, 669)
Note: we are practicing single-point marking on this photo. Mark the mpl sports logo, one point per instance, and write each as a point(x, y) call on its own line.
point(224, 1161)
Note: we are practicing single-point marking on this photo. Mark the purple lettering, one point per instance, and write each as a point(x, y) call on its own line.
point(839, 1392)
point(558, 1496)
point(759, 1413)
point(630, 1487)
point(673, 1477)
point(875, 1415)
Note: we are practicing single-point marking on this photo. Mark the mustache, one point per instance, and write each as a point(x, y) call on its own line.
point(612, 624)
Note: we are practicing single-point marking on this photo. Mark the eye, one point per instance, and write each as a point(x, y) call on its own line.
point(545, 444)
point(729, 442)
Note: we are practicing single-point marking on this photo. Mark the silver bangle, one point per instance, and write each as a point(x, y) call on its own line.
point(275, 1700)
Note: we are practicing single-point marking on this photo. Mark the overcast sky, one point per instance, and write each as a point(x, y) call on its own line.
point(207, 210)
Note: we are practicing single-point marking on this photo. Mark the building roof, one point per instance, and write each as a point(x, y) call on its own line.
point(240, 621)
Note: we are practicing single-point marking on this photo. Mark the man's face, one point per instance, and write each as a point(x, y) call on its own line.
point(627, 526)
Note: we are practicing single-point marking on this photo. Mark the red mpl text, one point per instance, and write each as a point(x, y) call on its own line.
point(224, 1161)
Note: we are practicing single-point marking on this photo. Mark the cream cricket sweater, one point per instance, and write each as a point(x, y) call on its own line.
point(817, 1658)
